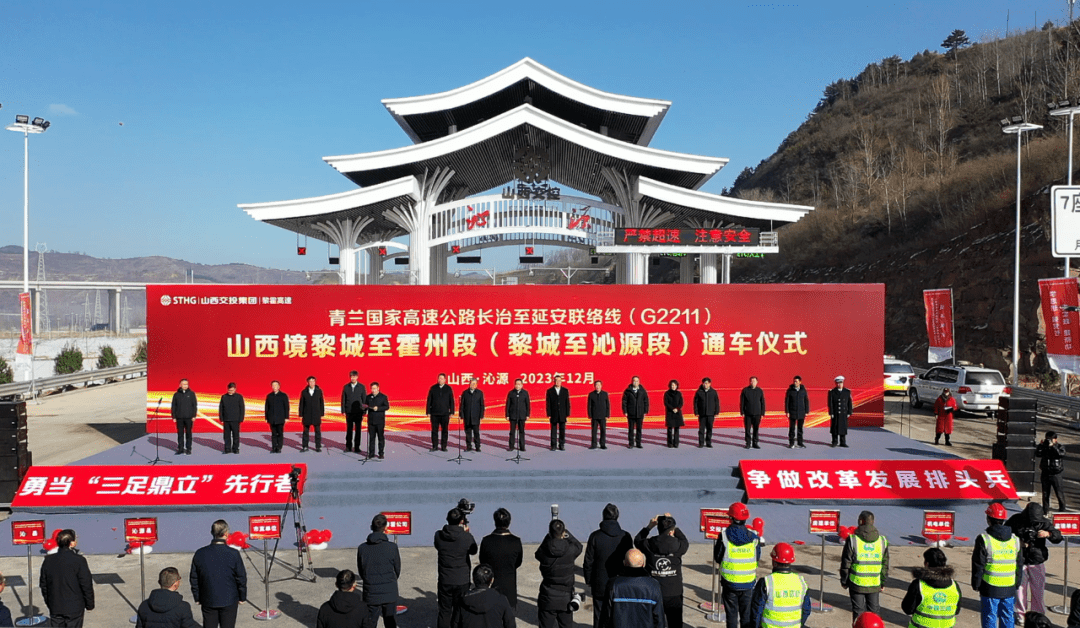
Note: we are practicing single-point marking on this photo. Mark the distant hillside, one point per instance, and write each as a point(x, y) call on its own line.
point(913, 184)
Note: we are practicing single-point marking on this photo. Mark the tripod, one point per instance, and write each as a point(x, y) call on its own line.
point(157, 437)
point(305, 571)
point(459, 459)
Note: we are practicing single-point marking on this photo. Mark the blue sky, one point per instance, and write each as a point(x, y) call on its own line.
point(234, 102)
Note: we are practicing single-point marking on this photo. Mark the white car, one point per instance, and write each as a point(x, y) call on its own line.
point(898, 375)
point(975, 389)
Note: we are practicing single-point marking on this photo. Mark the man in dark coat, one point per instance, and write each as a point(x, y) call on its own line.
point(663, 560)
point(276, 412)
point(556, 555)
point(1033, 528)
point(483, 606)
point(840, 408)
point(185, 407)
point(471, 411)
point(344, 609)
point(377, 404)
point(1051, 466)
point(218, 579)
point(231, 412)
point(604, 553)
point(66, 583)
point(706, 407)
point(312, 409)
point(635, 406)
point(440, 405)
point(518, 408)
point(165, 607)
point(796, 407)
point(353, 406)
point(454, 545)
point(378, 564)
point(501, 550)
point(635, 599)
point(752, 408)
point(673, 413)
point(558, 410)
point(598, 407)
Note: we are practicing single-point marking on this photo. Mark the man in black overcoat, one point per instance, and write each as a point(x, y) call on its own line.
point(635, 405)
point(352, 406)
point(312, 409)
point(185, 407)
point(231, 412)
point(66, 583)
point(518, 407)
point(377, 404)
point(471, 411)
point(706, 407)
point(218, 579)
point(558, 410)
point(752, 408)
point(501, 550)
point(840, 409)
point(276, 412)
point(440, 405)
point(598, 407)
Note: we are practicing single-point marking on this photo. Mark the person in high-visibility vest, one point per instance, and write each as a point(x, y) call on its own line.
point(780, 599)
point(996, 567)
point(933, 599)
point(737, 551)
point(864, 566)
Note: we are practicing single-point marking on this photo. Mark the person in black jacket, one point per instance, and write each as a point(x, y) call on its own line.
point(454, 545)
point(218, 579)
point(840, 409)
point(1051, 466)
point(556, 555)
point(185, 407)
point(165, 607)
point(501, 550)
point(66, 583)
point(344, 609)
point(706, 407)
point(635, 406)
point(663, 559)
point(752, 408)
point(935, 574)
point(276, 412)
point(634, 599)
point(518, 408)
point(796, 407)
point(604, 554)
point(558, 410)
point(5, 612)
point(483, 606)
point(377, 404)
point(471, 411)
point(673, 414)
point(353, 406)
point(1033, 528)
point(231, 412)
point(440, 405)
point(312, 409)
point(598, 407)
point(378, 564)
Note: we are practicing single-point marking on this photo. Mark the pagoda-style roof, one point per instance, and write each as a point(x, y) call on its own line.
point(695, 206)
point(625, 118)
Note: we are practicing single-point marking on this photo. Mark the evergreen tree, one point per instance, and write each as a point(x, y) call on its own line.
point(956, 40)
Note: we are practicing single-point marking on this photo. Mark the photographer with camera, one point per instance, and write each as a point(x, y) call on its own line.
point(557, 601)
point(1033, 528)
point(663, 559)
point(1051, 466)
point(454, 545)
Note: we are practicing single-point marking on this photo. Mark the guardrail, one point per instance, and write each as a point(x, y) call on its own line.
point(31, 389)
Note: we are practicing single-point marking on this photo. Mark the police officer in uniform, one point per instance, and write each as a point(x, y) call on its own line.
point(780, 599)
point(864, 566)
point(839, 410)
point(737, 551)
point(933, 599)
point(996, 566)
point(517, 412)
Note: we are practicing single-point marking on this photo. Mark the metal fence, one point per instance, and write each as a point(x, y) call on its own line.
point(32, 389)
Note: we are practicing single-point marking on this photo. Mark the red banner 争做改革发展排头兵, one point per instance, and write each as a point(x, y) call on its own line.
point(1062, 326)
point(925, 480)
point(939, 324)
point(141, 486)
point(403, 336)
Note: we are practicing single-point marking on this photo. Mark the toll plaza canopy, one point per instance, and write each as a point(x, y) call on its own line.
point(484, 170)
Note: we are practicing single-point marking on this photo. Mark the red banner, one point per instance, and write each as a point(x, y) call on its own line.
point(1062, 327)
point(264, 527)
point(27, 532)
point(142, 486)
point(938, 524)
point(939, 324)
point(824, 522)
point(1067, 522)
point(823, 480)
point(26, 325)
point(399, 523)
point(403, 336)
point(141, 530)
point(715, 525)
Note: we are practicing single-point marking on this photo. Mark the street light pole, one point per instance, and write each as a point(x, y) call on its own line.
point(1067, 108)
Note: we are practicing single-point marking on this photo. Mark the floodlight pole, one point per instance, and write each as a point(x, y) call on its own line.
point(1017, 128)
point(1070, 111)
point(26, 128)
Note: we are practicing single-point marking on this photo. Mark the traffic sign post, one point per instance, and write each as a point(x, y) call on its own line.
point(267, 528)
point(141, 531)
point(399, 523)
point(713, 523)
point(1069, 525)
point(29, 533)
point(1065, 220)
point(938, 526)
point(823, 522)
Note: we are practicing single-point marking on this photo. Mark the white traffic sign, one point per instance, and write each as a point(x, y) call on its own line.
point(1065, 220)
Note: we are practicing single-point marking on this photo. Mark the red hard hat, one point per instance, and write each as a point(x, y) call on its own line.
point(996, 511)
point(739, 511)
point(869, 620)
point(783, 553)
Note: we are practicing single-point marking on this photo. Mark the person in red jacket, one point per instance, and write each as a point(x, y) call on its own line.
point(944, 408)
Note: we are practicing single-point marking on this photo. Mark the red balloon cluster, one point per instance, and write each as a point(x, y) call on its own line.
point(238, 540)
point(759, 526)
point(318, 537)
point(846, 531)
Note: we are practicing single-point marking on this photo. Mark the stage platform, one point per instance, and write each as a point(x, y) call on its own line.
point(342, 494)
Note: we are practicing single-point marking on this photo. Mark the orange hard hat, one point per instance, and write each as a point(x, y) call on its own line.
point(869, 620)
point(996, 511)
point(739, 511)
point(783, 553)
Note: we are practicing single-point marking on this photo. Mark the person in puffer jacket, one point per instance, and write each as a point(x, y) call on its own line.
point(165, 607)
point(344, 609)
point(936, 580)
point(483, 606)
point(604, 555)
point(556, 555)
point(378, 563)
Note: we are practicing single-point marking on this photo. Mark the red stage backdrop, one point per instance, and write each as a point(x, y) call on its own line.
point(403, 336)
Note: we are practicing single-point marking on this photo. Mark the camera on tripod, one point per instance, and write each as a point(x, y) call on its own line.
point(466, 507)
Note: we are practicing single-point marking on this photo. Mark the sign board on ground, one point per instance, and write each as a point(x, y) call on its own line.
point(141, 530)
point(264, 527)
point(824, 521)
point(27, 532)
point(399, 522)
point(715, 525)
point(1068, 523)
point(938, 523)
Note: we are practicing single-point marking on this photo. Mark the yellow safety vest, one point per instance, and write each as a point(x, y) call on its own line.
point(784, 593)
point(866, 569)
point(937, 608)
point(739, 565)
point(1001, 568)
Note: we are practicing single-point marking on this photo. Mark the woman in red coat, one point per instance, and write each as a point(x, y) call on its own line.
point(944, 408)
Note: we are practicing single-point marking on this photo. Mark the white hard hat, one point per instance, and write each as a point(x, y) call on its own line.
point(839, 378)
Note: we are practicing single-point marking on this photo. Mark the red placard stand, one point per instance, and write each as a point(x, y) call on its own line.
point(938, 526)
point(267, 528)
point(713, 523)
point(29, 533)
point(1069, 525)
point(141, 531)
point(823, 522)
